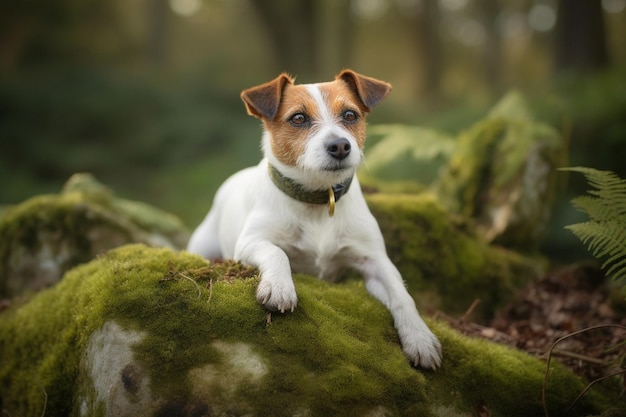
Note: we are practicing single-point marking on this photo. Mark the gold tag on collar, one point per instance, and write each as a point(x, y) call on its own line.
point(331, 202)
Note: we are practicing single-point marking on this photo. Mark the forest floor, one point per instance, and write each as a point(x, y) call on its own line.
point(573, 315)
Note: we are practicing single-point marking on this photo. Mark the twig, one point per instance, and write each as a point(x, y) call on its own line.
point(191, 280)
point(574, 355)
point(592, 383)
point(470, 310)
point(550, 352)
point(45, 399)
point(210, 291)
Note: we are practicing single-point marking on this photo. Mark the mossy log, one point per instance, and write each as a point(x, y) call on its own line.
point(151, 332)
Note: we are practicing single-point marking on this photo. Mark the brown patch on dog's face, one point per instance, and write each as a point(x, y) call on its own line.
point(288, 140)
point(304, 112)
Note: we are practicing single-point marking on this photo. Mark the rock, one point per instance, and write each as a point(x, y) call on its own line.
point(46, 235)
point(149, 332)
point(445, 264)
point(502, 174)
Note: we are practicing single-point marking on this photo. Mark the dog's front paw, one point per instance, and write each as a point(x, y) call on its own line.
point(277, 296)
point(423, 348)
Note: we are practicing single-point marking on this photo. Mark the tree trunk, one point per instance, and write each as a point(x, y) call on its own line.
point(158, 26)
point(493, 59)
point(429, 42)
point(580, 36)
point(292, 31)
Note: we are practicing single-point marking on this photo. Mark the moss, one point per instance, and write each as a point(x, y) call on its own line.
point(508, 382)
point(445, 264)
point(196, 323)
point(352, 357)
point(501, 174)
point(183, 305)
point(46, 235)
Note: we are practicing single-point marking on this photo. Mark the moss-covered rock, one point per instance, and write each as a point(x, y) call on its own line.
point(443, 261)
point(149, 332)
point(46, 235)
point(502, 174)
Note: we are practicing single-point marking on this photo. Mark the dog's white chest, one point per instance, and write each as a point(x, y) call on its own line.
point(318, 249)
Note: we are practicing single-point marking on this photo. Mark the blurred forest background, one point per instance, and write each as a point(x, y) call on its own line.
point(144, 94)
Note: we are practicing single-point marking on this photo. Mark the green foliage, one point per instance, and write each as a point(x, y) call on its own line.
point(408, 152)
point(605, 232)
point(133, 133)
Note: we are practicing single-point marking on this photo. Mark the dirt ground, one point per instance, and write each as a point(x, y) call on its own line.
point(573, 315)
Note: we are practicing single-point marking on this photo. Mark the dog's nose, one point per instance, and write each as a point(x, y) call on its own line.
point(339, 148)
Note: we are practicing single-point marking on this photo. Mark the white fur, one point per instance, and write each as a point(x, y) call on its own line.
point(252, 221)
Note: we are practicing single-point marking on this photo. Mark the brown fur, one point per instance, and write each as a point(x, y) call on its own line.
point(288, 141)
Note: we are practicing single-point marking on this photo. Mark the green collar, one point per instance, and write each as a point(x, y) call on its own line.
point(295, 190)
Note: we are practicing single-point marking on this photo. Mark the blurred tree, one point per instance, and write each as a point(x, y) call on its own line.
point(158, 13)
point(336, 36)
point(427, 22)
point(309, 38)
point(292, 28)
point(580, 36)
point(40, 32)
point(493, 59)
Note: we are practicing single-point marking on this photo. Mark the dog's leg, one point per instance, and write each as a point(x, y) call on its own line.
point(276, 290)
point(384, 282)
point(204, 240)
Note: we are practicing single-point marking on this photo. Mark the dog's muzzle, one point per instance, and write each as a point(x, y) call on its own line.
point(339, 148)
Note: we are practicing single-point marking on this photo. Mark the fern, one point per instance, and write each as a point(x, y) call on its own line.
point(399, 140)
point(605, 233)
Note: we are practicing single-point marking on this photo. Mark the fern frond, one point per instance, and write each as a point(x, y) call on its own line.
point(608, 187)
point(595, 207)
point(398, 140)
point(602, 239)
point(605, 233)
point(617, 270)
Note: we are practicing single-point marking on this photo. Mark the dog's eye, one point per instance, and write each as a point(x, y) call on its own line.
point(350, 116)
point(298, 119)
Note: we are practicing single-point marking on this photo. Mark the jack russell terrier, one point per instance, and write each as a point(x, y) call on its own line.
point(302, 210)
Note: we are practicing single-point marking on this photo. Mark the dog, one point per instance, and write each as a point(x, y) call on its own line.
point(301, 209)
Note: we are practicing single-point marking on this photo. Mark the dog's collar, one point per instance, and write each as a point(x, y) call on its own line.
point(297, 192)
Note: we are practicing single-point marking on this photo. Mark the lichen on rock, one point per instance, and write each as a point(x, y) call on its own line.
point(46, 235)
point(150, 332)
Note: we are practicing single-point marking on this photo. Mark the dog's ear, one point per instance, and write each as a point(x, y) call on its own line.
point(263, 100)
point(369, 90)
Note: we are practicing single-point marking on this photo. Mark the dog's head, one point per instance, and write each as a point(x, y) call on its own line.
point(314, 133)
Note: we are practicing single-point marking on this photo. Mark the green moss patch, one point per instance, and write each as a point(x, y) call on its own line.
point(502, 174)
point(477, 373)
point(205, 344)
point(46, 235)
point(444, 263)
